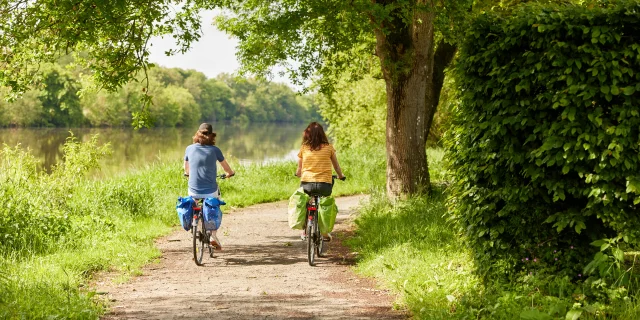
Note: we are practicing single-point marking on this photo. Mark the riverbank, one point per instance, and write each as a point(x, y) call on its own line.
point(59, 229)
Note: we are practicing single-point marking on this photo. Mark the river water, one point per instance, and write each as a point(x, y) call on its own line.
point(250, 143)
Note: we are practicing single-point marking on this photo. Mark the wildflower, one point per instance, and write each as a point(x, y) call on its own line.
point(556, 259)
point(535, 260)
point(571, 247)
point(554, 251)
point(579, 275)
point(526, 259)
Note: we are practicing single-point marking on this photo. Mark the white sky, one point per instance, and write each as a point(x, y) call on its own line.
point(213, 54)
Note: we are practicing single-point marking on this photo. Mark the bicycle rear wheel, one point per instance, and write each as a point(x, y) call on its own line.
point(198, 241)
point(311, 239)
point(322, 247)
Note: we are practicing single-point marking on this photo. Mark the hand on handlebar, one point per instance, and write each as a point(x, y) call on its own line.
point(226, 176)
point(343, 177)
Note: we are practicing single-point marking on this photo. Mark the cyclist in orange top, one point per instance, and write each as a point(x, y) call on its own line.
point(315, 159)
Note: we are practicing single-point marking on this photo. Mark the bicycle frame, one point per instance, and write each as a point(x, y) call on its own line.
point(200, 237)
point(314, 238)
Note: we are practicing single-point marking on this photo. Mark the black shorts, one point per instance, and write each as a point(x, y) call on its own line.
point(322, 189)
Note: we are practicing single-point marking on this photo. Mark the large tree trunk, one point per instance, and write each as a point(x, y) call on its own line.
point(406, 56)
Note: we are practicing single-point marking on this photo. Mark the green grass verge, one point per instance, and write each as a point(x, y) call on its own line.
point(412, 249)
point(110, 224)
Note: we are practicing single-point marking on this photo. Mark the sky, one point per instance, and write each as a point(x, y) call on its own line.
point(215, 53)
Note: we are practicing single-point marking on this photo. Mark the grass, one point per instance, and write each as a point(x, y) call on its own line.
point(412, 249)
point(66, 228)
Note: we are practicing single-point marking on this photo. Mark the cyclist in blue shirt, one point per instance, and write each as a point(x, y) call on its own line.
point(200, 165)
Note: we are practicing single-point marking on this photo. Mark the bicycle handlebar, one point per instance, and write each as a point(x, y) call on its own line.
point(222, 176)
point(332, 177)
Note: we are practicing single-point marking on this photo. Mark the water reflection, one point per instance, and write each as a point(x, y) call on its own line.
point(250, 143)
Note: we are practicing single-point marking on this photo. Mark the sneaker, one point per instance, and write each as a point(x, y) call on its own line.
point(303, 235)
point(215, 243)
point(327, 237)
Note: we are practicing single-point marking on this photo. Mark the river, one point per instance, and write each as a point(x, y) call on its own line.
point(250, 143)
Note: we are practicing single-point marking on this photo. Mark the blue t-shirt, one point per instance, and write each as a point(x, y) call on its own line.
point(202, 168)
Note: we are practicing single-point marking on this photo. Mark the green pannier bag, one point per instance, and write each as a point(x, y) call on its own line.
point(298, 209)
point(327, 214)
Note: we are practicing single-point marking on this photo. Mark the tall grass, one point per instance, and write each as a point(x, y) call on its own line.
point(58, 229)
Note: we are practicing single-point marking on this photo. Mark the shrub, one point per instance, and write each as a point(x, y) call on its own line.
point(545, 148)
point(36, 210)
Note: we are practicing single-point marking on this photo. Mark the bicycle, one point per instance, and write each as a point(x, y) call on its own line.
point(315, 241)
point(201, 237)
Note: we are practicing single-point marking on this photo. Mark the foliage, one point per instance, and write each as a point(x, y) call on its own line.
point(356, 112)
point(320, 39)
point(544, 151)
point(110, 39)
point(178, 98)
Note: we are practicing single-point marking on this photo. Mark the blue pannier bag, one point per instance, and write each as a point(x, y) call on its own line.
point(185, 211)
point(212, 213)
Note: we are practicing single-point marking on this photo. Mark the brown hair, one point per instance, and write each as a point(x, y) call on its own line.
point(205, 138)
point(314, 136)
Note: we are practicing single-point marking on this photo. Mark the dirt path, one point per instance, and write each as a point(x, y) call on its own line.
point(261, 274)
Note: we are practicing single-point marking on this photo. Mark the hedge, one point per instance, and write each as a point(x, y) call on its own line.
point(544, 147)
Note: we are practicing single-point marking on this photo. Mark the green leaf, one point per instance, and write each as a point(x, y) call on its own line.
point(573, 314)
point(614, 90)
point(629, 90)
point(618, 254)
point(604, 89)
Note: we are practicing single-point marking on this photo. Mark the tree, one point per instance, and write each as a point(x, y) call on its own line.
point(325, 38)
point(60, 98)
point(322, 37)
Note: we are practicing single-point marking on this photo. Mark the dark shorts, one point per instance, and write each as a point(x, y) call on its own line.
point(317, 188)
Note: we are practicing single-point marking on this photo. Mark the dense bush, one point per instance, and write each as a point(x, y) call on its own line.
point(545, 151)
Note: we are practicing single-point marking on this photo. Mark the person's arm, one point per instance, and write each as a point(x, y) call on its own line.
point(186, 167)
point(336, 165)
point(299, 170)
point(227, 168)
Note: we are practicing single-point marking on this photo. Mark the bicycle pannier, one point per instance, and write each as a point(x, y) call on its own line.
point(185, 211)
point(212, 213)
point(327, 213)
point(297, 209)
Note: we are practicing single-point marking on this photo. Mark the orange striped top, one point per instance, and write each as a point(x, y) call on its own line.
point(316, 165)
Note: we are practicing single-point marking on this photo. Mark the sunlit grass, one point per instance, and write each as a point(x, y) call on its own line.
point(412, 250)
point(112, 222)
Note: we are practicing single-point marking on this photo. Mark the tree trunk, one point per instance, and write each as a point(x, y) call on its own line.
point(406, 56)
point(442, 58)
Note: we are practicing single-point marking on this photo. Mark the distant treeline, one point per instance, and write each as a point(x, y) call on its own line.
point(180, 97)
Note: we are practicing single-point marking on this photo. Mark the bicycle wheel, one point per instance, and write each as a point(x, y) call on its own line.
point(311, 246)
point(198, 241)
point(322, 247)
